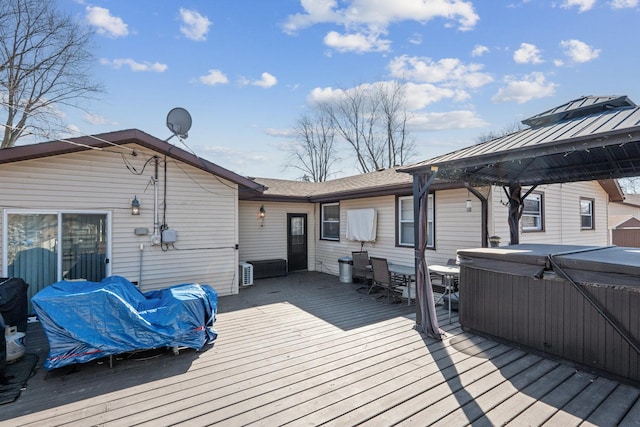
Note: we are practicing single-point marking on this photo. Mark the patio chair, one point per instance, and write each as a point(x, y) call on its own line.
point(362, 267)
point(382, 277)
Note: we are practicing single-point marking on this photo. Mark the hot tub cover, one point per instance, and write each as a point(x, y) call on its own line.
point(85, 320)
point(609, 265)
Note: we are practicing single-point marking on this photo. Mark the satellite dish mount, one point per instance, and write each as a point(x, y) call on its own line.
point(179, 123)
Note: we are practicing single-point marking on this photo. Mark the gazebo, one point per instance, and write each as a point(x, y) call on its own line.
point(589, 138)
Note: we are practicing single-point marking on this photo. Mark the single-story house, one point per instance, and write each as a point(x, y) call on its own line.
point(66, 213)
point(573, 213)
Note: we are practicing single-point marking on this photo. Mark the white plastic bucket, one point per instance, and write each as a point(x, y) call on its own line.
point(15, 344)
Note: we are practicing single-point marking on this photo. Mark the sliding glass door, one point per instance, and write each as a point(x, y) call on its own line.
point(43, 248)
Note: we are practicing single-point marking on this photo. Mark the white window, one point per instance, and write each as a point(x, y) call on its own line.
point(532, 213)
point(406, 236)
point(330, 227)
point(586, 214)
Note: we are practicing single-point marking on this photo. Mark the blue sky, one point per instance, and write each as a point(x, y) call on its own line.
point(246, 70)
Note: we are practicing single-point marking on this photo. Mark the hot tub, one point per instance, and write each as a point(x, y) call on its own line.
point(580, 303)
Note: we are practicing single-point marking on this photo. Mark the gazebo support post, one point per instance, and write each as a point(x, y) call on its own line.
point(426, 318)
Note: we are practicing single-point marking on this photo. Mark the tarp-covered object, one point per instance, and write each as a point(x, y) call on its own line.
point(85, 320)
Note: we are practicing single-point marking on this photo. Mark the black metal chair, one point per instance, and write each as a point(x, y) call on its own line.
point(382, 277)
point(361, 267)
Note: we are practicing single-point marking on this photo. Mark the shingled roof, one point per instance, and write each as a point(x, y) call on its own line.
point(378, 183)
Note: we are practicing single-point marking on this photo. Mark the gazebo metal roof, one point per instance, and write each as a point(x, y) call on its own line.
point(590, 138)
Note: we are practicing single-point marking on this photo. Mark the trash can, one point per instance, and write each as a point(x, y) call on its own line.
point(346, 269)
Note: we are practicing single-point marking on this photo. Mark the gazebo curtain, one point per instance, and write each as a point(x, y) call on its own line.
point(426, 319)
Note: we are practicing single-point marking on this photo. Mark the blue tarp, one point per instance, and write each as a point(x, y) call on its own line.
point(85, 320)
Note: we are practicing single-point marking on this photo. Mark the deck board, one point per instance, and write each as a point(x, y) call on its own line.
point(308, 350)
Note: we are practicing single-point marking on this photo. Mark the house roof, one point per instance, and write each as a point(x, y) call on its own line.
point(121, 138)
point(622, 222)
point(378, 183)
point(632, 199)
point(590, 138)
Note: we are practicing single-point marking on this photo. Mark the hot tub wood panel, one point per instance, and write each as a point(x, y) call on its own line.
point(550, 315)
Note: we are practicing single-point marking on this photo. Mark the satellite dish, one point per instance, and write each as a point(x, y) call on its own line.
point(179, 122)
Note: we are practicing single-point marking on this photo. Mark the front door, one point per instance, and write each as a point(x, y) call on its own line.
point(297, 241)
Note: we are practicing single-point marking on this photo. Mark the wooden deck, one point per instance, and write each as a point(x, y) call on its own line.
point(308, 350)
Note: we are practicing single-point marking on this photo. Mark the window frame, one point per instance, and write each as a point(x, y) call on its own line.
point(430, 221)
point(591, 214)
point(323, 221)
point(539, 214)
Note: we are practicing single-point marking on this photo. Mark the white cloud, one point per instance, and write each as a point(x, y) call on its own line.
point(194, 25)
point(105, 23)
point(280, 133)
point(527, 54)
point(623, 4)
point(582, 5)
point(447, 71)
point(579, 51)
point(95, 119)
point(461, 119)
point(215, 77)
point(135, 65)
point(375, 16)
point(479, 50)
point(358, 42)
point(416, 38)
point(266, 81)
point(418, 95)
point(532, 86)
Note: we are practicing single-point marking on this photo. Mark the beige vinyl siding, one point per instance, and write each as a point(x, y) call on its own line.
point(455, 227)
point(267, 239)
point(561, 216)
point(328, 252)
point(200, 207)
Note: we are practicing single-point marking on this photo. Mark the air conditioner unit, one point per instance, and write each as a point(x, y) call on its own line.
point(246, 274)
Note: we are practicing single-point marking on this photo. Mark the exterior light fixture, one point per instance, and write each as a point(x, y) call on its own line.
point(135, 206)
point(469, 206)
point(261, 214)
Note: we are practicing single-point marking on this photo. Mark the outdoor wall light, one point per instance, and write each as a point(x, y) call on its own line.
point(261, 214)
point(135, 206)
point(469, 205)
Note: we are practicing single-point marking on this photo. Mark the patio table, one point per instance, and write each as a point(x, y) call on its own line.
point(407, 272)
point(448, 273)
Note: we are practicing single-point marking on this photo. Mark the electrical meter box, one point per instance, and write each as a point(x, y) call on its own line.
point(169, 236)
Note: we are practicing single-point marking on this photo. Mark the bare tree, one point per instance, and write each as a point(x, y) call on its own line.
point(630, 185)
point(516, 126)
point(372, 119)
point(314, 152)
point(44, 63)
point(394, 116)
